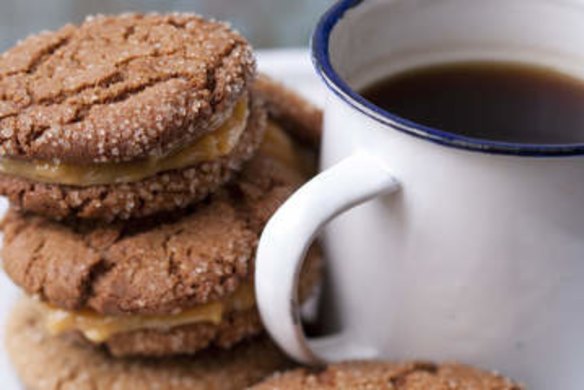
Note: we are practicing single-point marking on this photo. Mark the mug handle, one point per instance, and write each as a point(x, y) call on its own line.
point(288, 235)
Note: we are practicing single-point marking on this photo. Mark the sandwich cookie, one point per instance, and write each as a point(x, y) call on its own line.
point(125, 116)
point(388, 376)
point(44, 362)
point(165, 285)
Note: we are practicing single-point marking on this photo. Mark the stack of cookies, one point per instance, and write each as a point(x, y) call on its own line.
point(142, 159)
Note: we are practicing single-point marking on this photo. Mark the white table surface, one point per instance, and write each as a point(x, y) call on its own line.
point(291, 66)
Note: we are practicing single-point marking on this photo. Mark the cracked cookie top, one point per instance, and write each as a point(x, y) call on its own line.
point(389, 376)
point(119, 88)
point(155, 265)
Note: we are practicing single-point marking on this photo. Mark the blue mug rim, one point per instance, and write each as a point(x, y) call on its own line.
point(321, 61)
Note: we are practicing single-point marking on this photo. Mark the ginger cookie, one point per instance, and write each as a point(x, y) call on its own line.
point(125, 116)
point(44, 362)
point(388, 376)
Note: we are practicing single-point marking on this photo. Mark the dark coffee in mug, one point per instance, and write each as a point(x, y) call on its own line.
point(499, 101)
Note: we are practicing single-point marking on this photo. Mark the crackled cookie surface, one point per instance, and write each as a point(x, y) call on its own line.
point(119, 88)
point(388, 376)
point(97, 119)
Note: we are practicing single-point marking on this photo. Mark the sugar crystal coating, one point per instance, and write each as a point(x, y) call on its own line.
point(361, 375)
point(119, 88)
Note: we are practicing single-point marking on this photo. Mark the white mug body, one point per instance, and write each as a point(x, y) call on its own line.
point(479, 256)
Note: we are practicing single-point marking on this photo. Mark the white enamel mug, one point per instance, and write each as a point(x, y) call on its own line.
point(440, 246)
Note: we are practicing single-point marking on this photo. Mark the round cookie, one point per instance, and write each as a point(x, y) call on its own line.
point(164, 191)
point(388, 376)
point(51, 363)
point(117, 90)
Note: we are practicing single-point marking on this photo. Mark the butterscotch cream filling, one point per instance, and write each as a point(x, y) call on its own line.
point(216, 144)
point(99, 328)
